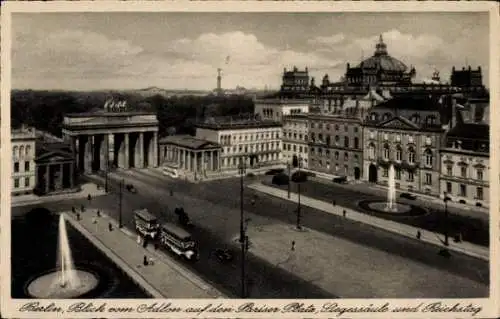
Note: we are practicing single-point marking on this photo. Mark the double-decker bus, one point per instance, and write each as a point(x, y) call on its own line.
point(146, 223)
point(178, 241)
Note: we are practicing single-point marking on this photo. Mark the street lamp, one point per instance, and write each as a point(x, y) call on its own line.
point(289, 178)
point(242, 169)
point(299, 227)
point(444, 251)
point(120, 222)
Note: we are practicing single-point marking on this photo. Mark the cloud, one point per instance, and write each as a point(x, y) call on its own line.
point(40, 58)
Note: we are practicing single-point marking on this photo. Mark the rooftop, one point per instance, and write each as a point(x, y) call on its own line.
point(188, 141)
point(239, 124)
point(470, 131)
point(103, 113)
point(409, 103)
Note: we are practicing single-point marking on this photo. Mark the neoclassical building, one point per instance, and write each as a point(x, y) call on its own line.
point(276, 109)
point(407, 133)
point(465, 164)
point(23, 160)
point(254, 142)
point(112, 137)
point(193, 157)
point(336, 145)
point(295, 139)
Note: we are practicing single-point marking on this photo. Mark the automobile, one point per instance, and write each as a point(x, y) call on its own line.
point(275, 171)
point(250, 174)
point(223, 255)
point(299, 177)
point(310, 174)
point(131, 188)
point(340, 180)
point(408, 196)
point(281, 179)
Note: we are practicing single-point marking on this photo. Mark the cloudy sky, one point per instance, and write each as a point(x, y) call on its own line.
point(183, 50)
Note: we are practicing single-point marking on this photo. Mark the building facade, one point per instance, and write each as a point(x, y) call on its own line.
point(23, 160)
point(465, 164)
point(295, 140)
point(192, 157)
point(276, 109)
point(55, 168)
point(336, 145)
point(257, 143)
point(406, 133)
point(295, 80)
point(113, 137)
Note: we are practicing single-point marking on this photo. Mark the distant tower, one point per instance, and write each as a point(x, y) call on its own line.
point(219, 80)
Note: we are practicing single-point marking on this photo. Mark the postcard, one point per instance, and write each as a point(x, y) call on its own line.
point(249, 159)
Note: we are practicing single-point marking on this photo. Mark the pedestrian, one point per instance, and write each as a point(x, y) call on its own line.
point(253, 202)
point(156, 246)
point(293, 245)
point(419, 234)
point(73, 209)
point(344, 213)
point(98, 213)
point(83, 208)
point(110, 226)
point(145, 261)
point(89, 197)
point(145, 242)
point(334, 203)
point(138, 239)
point(78, 216)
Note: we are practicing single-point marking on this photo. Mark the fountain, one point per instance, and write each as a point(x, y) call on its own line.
point(391, 192)
point(391, 206)
point(66, 281)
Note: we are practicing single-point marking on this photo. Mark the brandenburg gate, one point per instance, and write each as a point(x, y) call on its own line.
point(112, 137)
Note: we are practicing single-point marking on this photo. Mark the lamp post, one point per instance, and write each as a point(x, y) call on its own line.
point(106, 177)
point(445, 199)
point(120, 222)
point(289, 179)
point(242, 169)
point(299, 227)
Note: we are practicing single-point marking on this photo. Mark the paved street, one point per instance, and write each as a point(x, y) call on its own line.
point(473, 226)
point(213, 207)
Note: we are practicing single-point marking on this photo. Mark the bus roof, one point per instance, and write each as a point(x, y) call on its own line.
point(176, 230)
point(145, 215)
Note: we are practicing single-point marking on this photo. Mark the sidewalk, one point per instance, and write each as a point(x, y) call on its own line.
point(405, 230)
point(87, 188)
point(163, 279)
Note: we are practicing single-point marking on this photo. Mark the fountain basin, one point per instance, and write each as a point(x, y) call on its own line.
point(399, 209)
point(48, 286)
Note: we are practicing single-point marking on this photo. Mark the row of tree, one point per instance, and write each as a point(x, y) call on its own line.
point(45, 110)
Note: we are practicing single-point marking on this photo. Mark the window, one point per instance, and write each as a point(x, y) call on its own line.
point(336, 127)
point(356, 142)
point(336, 139)
point(428, 157)
point(27, 166)
point(14, 152)
point(312, 125)
point(371, 151)
point(449, 188)
point(16, 167)
point(336, 155)
point(320, 125)
point(411, 155)
point(463, 171)
point(16, 182)
point(398, 173)
point(28, 150)
point(411, 177)
point(399, 153)
point(428, 179)
point(386, 151)
point(346, 156)
point(480, 174)
point(449, 170)
point(355, 129)
point(356, 158)
point(300, 149)
point(386, 172)
point(346, 141)
point(26, 182)
point(313, 137)
point(320, 137)
point(463, 190)
point(328, 140)
point(21, 151)
point(479, 193)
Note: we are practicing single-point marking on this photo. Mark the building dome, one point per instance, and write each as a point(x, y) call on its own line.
point(382, 60)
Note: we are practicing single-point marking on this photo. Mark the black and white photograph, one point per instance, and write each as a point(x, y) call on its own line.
point(257, 155)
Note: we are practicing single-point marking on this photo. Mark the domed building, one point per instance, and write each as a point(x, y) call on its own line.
point(379, 70)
